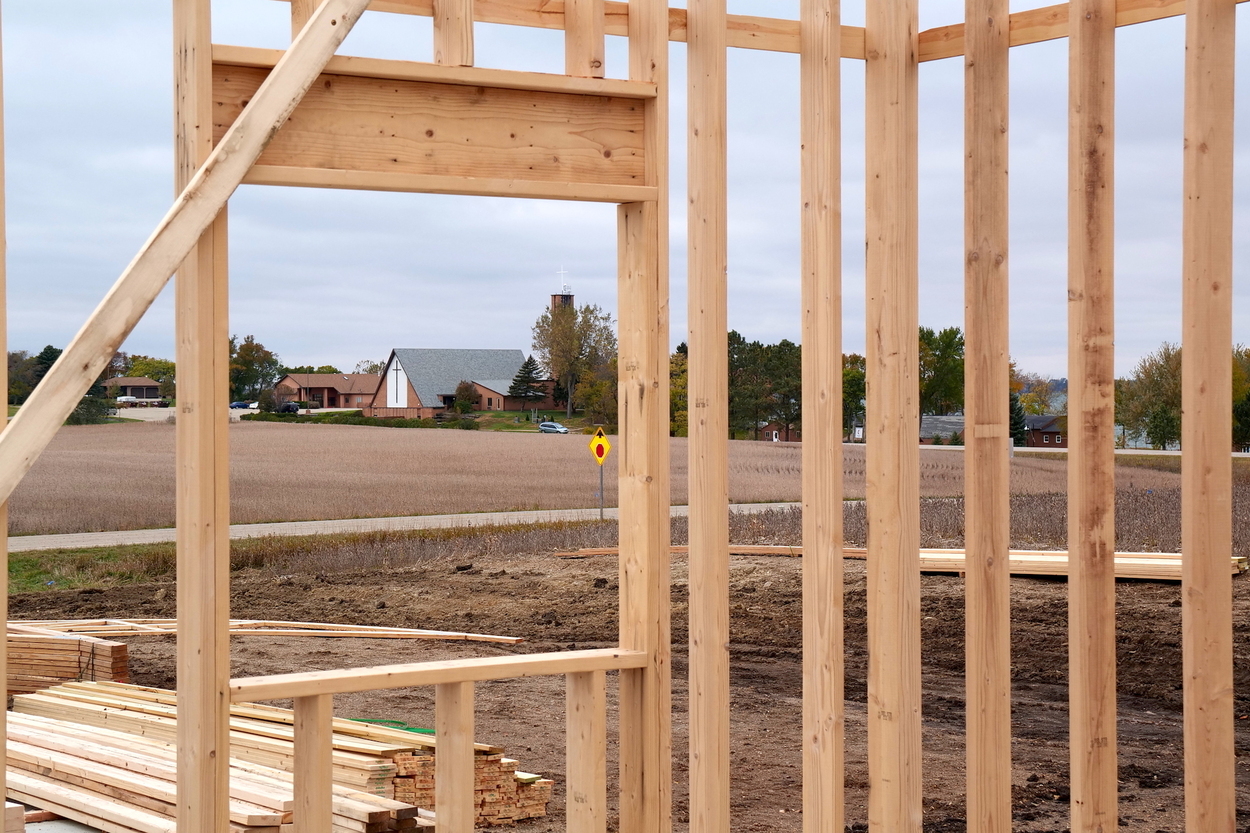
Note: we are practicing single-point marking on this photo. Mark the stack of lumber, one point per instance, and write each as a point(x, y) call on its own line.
point(14, 817)
point(121, 783)
point(252, 627)
point(367, 759)
point(1155, 566)
point(501, 794)
point(39, 658)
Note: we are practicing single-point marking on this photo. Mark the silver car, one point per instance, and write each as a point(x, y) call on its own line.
point(552, 428)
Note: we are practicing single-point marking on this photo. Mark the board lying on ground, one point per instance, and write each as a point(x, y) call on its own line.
point(251, 627)
point(371, 764)
point(1157, 566)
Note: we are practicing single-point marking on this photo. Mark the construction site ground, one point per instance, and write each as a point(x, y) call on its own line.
point(561, 603)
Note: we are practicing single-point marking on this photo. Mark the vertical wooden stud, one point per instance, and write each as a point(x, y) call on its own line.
point(586, 741)
point(987, 392)
point(4, 381)
point(453, 33)
point(314, 749)
point(893, 419)
point(453, 758)
point(203, 505)
point(645, 694)
point(823, 665)
point(301, 11)
point(709, 419)
point(1206, 382)
point(583, 38)
point(1091, 415)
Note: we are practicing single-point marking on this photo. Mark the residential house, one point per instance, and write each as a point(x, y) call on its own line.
point(1046, 431)
point(140, 387)
point(934, 427)
point(419, 383)
point(328, 390)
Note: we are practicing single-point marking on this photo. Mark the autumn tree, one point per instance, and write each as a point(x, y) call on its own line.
point(161, 371)
point(1149, 402)
point(253, 368)
point(678, 392)
point(573, 343)
point(466, 397)
point(370, 366)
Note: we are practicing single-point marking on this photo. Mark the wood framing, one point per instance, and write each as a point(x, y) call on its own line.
point(583, 38)
point(1091, 416)
point(892, 456)
point(821, 201)
point(1206, 470)
point(453, 33)
point(987, 484)
point(586, 758)
point(453, 776)
point(314, 745)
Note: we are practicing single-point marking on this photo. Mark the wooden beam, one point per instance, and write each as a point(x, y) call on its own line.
point(583, 38)
point(821, 200)
point(586, 741)
point(343, 681)
point(453, 33)
point(314, 745)
point(892, 457)
point(453, 770)
point(4, 380)
point(177, 234)
point(301, 12)
point(987, 616)
point(1091, 423)
point(1206, 387)
point(707, 211)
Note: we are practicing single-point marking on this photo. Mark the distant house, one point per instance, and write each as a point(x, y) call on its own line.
point(328, 390)
point(140, 387)
point(419, 383)
point(1046, 431)
point(932, 427)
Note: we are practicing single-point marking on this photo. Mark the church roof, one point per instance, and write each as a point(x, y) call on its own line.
point(435, 372)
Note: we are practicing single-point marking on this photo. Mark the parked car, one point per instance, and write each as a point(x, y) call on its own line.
point(288, 408)
point(126, 400)
point(552, 428)
point(238, 405)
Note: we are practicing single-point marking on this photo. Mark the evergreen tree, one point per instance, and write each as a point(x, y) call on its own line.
point(526, 385)
point(1019, 429)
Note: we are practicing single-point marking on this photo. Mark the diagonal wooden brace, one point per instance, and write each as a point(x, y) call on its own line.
point(199, 203)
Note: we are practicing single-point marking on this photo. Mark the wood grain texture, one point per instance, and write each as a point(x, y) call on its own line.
point(892, 457)
point(453, 33)
point(586, 756)
point(708, 396)
point(4, 379)
point(301, 11)
point(1091, 421)
point(418, 128)
point(583, 38)
point(453, 777)
point(314, 745)
point(1206, 390)
point(987, 617)
point(821, 265)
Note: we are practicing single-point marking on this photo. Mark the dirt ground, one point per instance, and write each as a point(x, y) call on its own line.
point(559, 603)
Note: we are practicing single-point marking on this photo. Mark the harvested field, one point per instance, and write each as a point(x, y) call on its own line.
point(109, 477)
point(509, 583)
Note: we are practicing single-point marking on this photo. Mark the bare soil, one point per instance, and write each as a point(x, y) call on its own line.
point(560, 603)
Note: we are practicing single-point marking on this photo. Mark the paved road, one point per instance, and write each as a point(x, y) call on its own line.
point(27, 543)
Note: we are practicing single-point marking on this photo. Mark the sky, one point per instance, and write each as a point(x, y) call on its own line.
point(336, 277)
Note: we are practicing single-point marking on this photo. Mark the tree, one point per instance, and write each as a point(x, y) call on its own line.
point(43, 362)
point(21, 372)
point(784, 369)
point(1037, 395)
point(527, 383)
point(854, 390)
point(1163, 427)
point(596, 394)
point(1018, 427)
point(308, 368)
point(678, 393)
point(162, 371)
point(466, 397)
point(573, 342)
point(369, 366)
point(1241, 422)
point(941, 371)
point(748, 386)
point(1148, 404)
point(252, 368)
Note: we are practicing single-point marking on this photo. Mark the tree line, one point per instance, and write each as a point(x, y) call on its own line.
point(1148, 403)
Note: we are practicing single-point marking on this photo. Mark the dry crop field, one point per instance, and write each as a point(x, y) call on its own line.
point(108, 477)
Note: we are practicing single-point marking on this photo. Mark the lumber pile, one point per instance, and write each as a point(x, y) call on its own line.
point(370, 762)
point(250, 627)
point(1155, 566)
point(14, 817)
point(39, 659)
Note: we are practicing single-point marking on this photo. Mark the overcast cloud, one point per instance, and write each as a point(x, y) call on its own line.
point(335, 276)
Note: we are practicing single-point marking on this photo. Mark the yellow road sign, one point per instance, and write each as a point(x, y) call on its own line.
point(599, 446)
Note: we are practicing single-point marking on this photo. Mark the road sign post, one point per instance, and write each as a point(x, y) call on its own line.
point(599, 447)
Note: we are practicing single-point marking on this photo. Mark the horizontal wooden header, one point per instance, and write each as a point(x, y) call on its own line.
point(476, 669)
point(781, 35)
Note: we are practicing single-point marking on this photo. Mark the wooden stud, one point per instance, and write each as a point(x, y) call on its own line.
point(1091, 420)
point(987, 617)
point(892, 460)
point(314, 745)
point(4, 381)
point(453, 33)
point(453, 770)
point(301, 12)
point(583, 38)
point(178, 233)
point(823, 663)
point(586, 740)
point(1206, 468)
point(709, 419)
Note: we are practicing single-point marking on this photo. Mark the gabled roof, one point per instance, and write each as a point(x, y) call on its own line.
point(1043, 422)
point(131, 381)
point(342, 382)
point(499, 386)
point(931, 426)
point(435, 372)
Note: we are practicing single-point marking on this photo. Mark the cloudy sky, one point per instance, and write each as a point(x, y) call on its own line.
point(335, 276)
